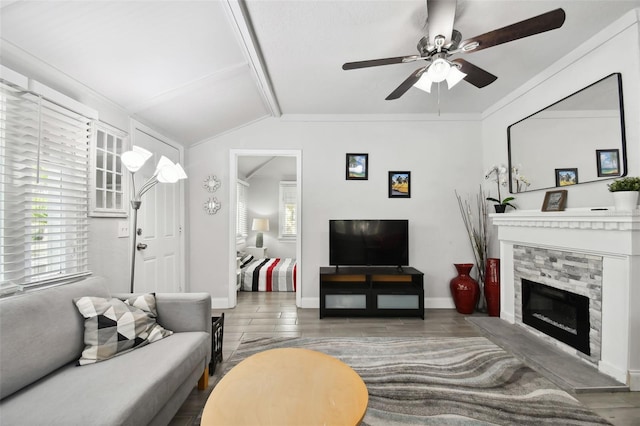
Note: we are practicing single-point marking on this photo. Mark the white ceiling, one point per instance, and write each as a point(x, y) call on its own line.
point(197, 69)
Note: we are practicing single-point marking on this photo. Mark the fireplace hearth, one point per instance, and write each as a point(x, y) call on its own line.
point(557, 313)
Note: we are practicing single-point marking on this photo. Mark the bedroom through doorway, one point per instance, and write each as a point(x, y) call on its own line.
point(265, 223)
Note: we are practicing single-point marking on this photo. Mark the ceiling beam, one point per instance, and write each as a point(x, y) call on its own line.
point(239, 16)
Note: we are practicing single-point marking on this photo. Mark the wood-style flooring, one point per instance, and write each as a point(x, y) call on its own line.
point(275, 314)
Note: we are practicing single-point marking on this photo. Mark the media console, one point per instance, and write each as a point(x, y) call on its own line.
point(371, 291)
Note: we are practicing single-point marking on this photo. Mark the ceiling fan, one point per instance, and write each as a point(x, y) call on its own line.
point(443, 41)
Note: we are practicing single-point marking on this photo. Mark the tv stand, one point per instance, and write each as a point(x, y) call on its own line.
point(371, 291)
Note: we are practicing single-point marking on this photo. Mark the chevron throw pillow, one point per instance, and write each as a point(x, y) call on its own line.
point(113, 327)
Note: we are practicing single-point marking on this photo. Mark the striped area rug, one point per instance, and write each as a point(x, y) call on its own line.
point(442, 381)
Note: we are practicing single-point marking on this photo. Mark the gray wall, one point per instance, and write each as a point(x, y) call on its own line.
point(442, 156)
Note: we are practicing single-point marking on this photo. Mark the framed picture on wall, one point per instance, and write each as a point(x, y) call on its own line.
point(566, 177)
point(357, 166)
point(399, 184)
point(554, 201)
point(608, 162)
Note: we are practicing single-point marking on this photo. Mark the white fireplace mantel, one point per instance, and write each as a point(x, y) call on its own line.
point(609, 220)
point(613, 235)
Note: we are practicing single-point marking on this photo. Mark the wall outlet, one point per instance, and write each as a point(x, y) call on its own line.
point(123, 229)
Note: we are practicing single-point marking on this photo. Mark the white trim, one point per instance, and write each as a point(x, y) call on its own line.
point(233, 174)
point(309, 303)
point(126, 143)
point(634, 380)
point(13, 77)
point(331, 118)
point(439, 303)
point(219, 302)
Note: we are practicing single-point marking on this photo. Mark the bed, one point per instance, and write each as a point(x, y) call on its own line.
point(269, 274)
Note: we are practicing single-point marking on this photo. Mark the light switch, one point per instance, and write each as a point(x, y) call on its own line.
point(123, 229)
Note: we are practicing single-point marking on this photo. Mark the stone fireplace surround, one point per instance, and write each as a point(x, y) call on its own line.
point(612, 236)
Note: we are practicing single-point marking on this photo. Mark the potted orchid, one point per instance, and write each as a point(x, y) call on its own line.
point(500, 176)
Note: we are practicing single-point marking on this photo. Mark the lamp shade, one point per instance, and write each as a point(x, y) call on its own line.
point(438, 70)
point(133, 160)
point(260, 224)
point(454, 77)
point(167, 172)
point(424, 83)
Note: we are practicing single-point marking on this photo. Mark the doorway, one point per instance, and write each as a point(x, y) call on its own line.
point(159, 261)
point(235, 157)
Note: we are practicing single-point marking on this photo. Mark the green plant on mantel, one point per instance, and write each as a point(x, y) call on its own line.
point(625, 184)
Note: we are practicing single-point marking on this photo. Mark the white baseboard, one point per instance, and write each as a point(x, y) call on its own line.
point(220, 303)
point(615, 372)
point(508, 317)
point(439, 303)
point(310, 303)
point(429, 303)
point(314, 303)
point(634, 380)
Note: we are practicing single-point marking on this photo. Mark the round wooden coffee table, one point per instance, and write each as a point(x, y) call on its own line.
point(289, 386)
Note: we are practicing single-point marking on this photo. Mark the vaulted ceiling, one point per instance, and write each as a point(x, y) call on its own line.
point(197, 69)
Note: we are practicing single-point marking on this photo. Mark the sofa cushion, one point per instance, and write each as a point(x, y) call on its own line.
point(126, 390)
point(114, 327)
point(42, 331)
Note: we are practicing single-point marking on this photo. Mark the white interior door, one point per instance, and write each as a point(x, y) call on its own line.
point(158, 265)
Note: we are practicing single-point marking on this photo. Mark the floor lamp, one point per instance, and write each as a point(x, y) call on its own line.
point(166, 172)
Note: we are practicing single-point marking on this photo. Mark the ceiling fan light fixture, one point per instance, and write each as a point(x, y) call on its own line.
point(424, 83)
point(438, 70)
point(454, 77)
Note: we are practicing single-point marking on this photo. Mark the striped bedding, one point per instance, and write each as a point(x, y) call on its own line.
point(269, 275)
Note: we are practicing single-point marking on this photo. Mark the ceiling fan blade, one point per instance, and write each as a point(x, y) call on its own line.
point(378, 62)
point(536, 25)
point(407, 84)
point(475, 75)
point(440, 16)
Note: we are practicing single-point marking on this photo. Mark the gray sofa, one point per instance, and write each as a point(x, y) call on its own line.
point(41, 338)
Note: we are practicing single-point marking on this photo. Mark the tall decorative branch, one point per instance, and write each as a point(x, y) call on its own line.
point(475, 220)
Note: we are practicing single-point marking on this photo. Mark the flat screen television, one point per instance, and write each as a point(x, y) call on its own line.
point(383, 242)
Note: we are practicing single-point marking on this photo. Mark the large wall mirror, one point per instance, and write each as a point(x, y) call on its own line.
point(578, 139)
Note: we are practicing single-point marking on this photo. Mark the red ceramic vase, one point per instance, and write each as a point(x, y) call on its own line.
point(464, 289)
point(492, 287)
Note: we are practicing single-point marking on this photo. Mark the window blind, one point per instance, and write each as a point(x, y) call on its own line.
point(43, 182)
point(288, 210)
point(241, 210)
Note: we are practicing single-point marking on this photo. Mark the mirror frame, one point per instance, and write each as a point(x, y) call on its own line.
point(623, 141)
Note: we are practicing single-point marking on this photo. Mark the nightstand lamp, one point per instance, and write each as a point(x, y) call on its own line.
point(261, 225)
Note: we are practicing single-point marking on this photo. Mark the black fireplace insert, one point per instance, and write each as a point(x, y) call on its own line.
point(557, 313)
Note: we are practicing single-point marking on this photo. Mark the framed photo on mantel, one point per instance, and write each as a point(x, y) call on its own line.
point(554, 201)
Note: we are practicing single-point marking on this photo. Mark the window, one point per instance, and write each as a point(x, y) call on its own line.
point(44, 155)
point(109, 183)
point(288, 217)
point(241, 210)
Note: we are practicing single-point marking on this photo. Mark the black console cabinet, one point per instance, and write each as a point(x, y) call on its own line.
point(371, 291)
